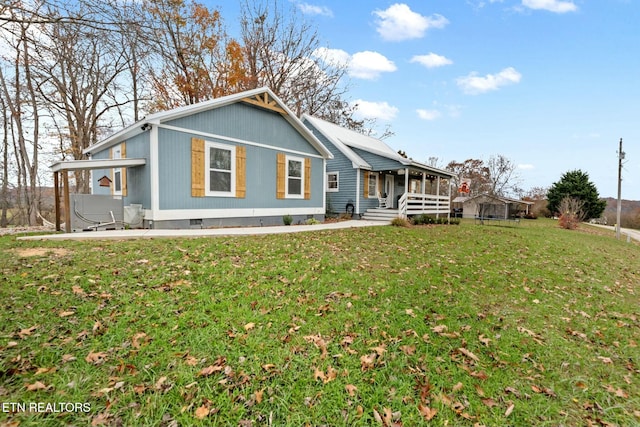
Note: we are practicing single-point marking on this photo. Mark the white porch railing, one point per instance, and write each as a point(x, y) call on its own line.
point(416, 204)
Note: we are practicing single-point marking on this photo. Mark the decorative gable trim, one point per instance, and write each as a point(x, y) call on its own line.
point(263, 100)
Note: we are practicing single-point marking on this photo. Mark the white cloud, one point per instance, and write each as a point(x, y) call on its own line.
point(369, 65)
point(432, 60)
point(399, 22)
point(526, 166)
point(557, 6)
point(429, 114)
point(362, 65)
point(311, 9)
point(375, 110)
point(473, 84)
point(337, 57)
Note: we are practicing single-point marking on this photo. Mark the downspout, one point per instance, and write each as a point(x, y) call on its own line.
point(154, 173)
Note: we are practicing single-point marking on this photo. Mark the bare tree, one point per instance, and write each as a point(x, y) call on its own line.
point(503, 177)
point(19, 93)
point(190, 54)
point(473, 170)
point(282, 52)
point(79, 68)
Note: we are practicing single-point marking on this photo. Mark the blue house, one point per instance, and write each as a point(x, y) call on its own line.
point(242, 159)
point(368, 178)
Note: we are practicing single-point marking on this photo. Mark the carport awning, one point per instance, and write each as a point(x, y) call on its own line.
point(72, 165)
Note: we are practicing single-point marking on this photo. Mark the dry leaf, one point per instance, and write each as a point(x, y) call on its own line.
point(509, 410)
point(409, 350)
point(202, 412)
point(458, 387)
point(159, 384)
point(439, 329)
point(351, 389)
point(249, 326)
point(377, 417)
point(77, 290)
point(468, 354)
point(605, 360)
point(27, 331)
point(135, 342)
point(426, 412)
point(67, 313)
point(68, 358)
point(368, 361)
point(484, 340)
point(489, 402)
point(100, 419)
point(410, 312)
point(96, 358)
point(36, 386)
point(258, 396)
point(318, 374)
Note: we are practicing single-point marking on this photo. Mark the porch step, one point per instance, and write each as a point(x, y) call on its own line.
point(377, 214)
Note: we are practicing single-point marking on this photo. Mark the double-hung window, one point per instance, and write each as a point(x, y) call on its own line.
point(373, 184)
point(220, 169)
point(295, 177)
point(333, 181)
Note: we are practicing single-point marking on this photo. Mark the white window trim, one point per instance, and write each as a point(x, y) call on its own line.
point(374, 194)
point(207, 178)
point(286, 182)
point(337, 189)
point(117, 154)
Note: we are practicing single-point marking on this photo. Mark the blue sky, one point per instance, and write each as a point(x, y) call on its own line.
point(552, 85)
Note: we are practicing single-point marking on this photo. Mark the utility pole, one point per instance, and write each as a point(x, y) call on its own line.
point(619, 210)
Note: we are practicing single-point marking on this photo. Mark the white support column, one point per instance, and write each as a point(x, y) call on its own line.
point(438, 194)
point(357, 206)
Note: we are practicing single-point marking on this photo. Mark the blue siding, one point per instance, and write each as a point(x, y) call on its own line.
point(337, 201)
point(248, 123)
point(138, 178)
point(175, 180)
point(379, 163)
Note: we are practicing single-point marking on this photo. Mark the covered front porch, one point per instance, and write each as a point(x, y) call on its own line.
point(409, 191)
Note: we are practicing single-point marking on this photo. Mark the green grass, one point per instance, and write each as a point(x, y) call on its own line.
point(526, 325)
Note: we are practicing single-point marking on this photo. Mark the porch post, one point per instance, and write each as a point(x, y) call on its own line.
point(438, 194)
point(424, 182)
point(56, 195)
point(357, 206)
point(67, 204)
point(406, 180)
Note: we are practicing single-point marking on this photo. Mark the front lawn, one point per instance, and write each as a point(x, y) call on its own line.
point(459, 325)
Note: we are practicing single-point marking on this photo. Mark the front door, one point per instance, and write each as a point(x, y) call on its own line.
point(389, 183)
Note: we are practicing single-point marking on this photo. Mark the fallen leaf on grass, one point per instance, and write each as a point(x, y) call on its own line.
point(618, 392)
point(217, 366)
point(27, 331)
point(541, 389)
point(96, 358)
point(36, 386)
point(489, 402)
point(426, 412)
point(605, 360)
point(139, 340)
point(202, 412)
point(67, 313)
point(410, 312)
point(68, 358)
point(509, 410)
point(409, 350)
point(368, 361)
point(351, 389)
point(468, 353)
point(249, 326)
point(77, 290)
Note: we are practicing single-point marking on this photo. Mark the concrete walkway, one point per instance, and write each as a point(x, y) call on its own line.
point(230, 231)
